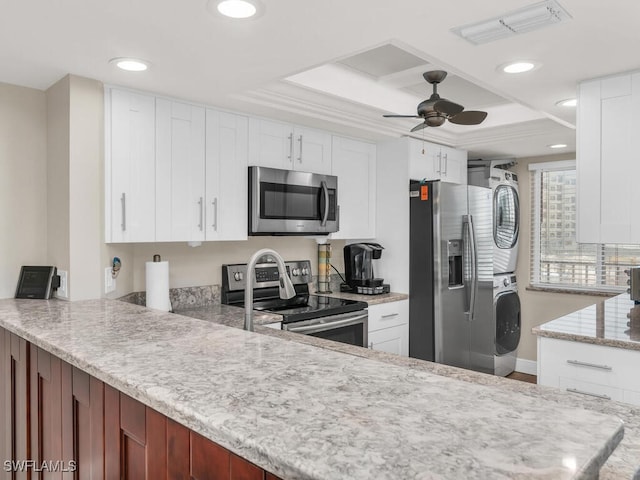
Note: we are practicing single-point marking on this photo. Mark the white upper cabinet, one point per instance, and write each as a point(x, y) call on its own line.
point(607, 146)
point(281, 145)
point(430, 161)
point(180, 171)
point(354, 163)
point(129, 167)
point(226, 176)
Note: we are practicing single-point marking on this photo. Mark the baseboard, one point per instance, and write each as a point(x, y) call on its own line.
point(526, 366)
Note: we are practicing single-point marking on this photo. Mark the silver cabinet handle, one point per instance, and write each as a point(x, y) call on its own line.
point(300, 157)
point(445, 164)
point(123, 202)
point(371, 345)
point(591, 365)
point(200, 225)
point(582, 392)
point(290, 157)
point(440, 163)
point(389, 315)
point(215, 214)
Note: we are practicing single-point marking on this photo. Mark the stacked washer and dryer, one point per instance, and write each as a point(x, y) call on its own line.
point(506, 227)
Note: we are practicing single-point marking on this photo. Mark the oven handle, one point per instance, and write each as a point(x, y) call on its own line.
point(319, 326)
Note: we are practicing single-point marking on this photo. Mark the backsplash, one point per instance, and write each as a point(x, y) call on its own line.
point(182, 298)
point(192, 297)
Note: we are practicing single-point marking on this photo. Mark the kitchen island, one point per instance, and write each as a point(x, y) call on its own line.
point(301, 411)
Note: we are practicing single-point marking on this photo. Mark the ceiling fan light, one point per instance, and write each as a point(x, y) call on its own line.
point(435, 121)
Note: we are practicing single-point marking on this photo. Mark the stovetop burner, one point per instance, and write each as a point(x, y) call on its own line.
point(303, 306)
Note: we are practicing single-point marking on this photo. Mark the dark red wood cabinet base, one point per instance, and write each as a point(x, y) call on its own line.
point(70, 425)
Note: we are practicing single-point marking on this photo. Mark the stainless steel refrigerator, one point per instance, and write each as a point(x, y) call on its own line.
point(451, 317)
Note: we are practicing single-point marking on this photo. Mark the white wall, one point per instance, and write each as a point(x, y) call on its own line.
point(23, 183)
point(203, 265)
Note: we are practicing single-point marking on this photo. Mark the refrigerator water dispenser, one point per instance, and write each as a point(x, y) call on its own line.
point(454, 253)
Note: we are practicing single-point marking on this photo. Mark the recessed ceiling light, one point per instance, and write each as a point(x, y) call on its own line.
point(569, 102)
point(130, 64)
point(518, 67)
point(237, 9)
point(558, 145)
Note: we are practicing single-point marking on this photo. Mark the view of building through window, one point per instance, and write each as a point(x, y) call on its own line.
point(558, 258)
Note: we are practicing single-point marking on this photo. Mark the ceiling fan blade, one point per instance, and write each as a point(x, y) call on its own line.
point(447, 107)
point(419, 127)
point(469, 117)
point(401, 116)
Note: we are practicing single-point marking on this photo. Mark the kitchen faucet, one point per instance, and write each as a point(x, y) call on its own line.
point(285, 286)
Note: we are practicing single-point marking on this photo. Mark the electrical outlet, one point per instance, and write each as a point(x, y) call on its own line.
point(63, 289)
point(109, 281)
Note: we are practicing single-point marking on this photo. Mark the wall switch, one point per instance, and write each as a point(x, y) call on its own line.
point(109, 281)
point(63, 289)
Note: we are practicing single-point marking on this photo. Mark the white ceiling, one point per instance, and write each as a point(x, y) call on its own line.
point(380, 45)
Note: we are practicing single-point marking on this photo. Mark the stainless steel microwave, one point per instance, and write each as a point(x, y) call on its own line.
point(288, 202)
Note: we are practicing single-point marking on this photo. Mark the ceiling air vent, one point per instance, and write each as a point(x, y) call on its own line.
point(533, 17)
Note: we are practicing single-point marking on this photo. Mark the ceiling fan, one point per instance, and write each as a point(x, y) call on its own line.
point(436, 110)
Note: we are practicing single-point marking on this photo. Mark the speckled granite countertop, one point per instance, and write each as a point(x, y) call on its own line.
point(370, 299)
point(307, 412)
point(614, 322)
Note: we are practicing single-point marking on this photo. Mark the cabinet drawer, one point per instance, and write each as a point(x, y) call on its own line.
point(596, 364)
point(387, 315)
point(590, 389)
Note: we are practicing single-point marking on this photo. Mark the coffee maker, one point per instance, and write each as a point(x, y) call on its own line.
point(358, 268)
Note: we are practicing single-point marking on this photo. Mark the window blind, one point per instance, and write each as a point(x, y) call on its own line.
point(557, 260)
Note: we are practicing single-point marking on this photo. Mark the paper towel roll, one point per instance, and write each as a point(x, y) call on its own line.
point(157, 281)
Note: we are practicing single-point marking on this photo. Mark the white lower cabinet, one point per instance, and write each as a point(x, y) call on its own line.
point(587, 369)
point(389, 327)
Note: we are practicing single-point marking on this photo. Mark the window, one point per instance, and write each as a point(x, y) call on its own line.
point(556, 259)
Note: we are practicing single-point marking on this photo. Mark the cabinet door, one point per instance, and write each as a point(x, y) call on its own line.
point(180, 178)
point(135, 439)
point(83, 412)
point(391, 340)
point(312, 150)
point(15, 392)
point(226, 176)
point(209, 461)
point(130, 167)
point(46, 410)
point(452, 165)
point(354, 163)
point(270, 144)
point(422, 160)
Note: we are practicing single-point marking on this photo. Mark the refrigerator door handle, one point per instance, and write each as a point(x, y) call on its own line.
point(470, 234)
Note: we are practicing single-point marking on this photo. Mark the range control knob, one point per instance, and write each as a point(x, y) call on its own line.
point(505, 282)
point(305, 271)
point(237, 276)
point(295, 272)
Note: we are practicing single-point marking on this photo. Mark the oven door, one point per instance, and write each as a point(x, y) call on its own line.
point(348, 328)
point(292, 202)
